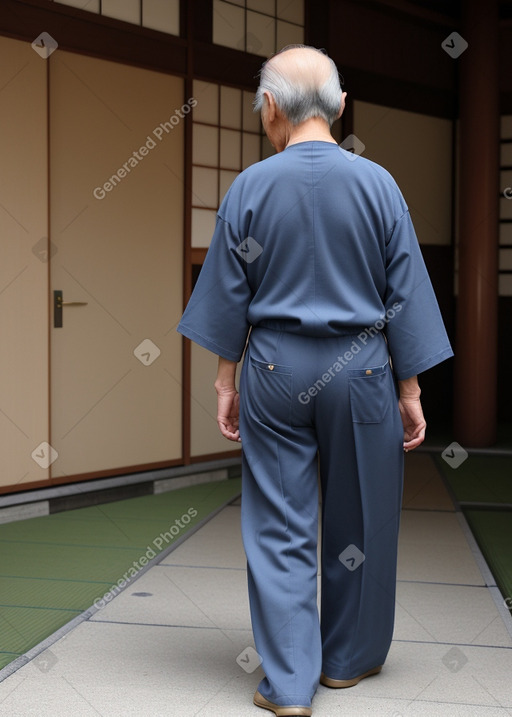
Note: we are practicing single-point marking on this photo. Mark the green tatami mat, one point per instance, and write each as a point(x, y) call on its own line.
point(478, 483)
point(54, 567)
point(480, 478)
point(493, 532)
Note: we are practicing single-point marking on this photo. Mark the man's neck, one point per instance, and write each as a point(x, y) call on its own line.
point(312, 130)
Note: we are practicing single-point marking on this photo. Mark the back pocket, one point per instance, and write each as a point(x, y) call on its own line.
point(270, 389)
point(370, 394)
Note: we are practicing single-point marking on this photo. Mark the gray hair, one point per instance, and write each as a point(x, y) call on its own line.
point(296, 100)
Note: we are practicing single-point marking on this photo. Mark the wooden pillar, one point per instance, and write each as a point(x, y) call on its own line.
point(477, 305)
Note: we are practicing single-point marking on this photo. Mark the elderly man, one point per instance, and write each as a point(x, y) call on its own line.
point(314, 254)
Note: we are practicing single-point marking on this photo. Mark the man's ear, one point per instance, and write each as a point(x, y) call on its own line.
point(271, 106)
point(342, 104)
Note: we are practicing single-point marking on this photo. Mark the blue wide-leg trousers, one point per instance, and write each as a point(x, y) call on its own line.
point(327, 406)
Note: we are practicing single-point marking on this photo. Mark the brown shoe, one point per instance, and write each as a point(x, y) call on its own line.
point(281, 710)
point(336, 684)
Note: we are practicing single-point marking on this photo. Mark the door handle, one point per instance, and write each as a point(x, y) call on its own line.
point(58, 304)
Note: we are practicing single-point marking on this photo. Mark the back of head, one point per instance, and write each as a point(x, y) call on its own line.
point(304, 83)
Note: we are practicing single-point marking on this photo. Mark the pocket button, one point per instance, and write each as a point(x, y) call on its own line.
point(271, 367)
point(368, 372)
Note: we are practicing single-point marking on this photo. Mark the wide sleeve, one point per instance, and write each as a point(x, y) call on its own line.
point(415, 330)
point(216, 315)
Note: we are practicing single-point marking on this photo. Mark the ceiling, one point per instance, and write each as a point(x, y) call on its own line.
point(447, 10)
point(452, 8)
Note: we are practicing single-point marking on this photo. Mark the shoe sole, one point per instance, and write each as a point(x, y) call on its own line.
point(340, 684)
point(280, 710)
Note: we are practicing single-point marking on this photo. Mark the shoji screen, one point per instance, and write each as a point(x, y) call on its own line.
point(24, 265)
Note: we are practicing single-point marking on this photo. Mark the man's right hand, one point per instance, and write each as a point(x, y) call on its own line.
point(412, 413)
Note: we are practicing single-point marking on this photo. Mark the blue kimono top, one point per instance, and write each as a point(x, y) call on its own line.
point(317, 241)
